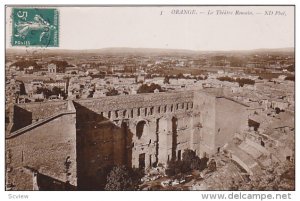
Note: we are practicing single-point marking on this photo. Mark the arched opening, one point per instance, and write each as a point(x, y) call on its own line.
point(140, 127)
point(142, 161)
point(124, 134)
point(126, 144)
point(151, 110)
point(156, 142)
point(179, 155)
point(174, 137)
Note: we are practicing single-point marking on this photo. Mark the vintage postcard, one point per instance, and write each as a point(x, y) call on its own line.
point(150, 98)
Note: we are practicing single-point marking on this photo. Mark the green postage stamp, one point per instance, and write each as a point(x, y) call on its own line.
point(35, 27)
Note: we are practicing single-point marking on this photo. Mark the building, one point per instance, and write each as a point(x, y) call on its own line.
point(78, 140)
point(52, 68)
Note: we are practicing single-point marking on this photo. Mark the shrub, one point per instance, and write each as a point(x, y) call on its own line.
point(123, 178)
point(149, 89)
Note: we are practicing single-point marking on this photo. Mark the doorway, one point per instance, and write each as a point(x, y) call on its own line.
point(142, 161)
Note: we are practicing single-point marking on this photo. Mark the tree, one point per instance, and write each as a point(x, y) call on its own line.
point(177, 167)
point(190, 158)
point(212, 165)
point(188, 155)
point(149, 88)
point(228, 79)
point(167, 80)
point(190, 161)
point(291, 68)
point(21, 64)
point(196, 164)
point(236, 62)
point(112, 92)
point(243, 81)
point(60, 65)
point(291, 78)
point(123, 178)
point(203, 164)
point(45, 91)
point(56, 91)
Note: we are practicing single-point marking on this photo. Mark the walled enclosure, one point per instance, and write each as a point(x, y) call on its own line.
point(47, 147)
point(137, 130)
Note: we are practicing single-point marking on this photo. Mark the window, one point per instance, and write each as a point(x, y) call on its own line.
point(151, 110)
point(140, 129)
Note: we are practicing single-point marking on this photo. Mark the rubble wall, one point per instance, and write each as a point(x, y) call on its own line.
point(46, 149)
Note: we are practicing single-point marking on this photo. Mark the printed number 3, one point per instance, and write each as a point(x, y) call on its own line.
point(22, 14)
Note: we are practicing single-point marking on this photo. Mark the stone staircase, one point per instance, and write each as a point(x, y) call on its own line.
point(249, 149)
point(243, 158)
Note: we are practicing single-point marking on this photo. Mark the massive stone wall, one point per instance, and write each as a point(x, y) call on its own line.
point(136, 130)
point(231, 117)
point(204, 123)
point(49, 149)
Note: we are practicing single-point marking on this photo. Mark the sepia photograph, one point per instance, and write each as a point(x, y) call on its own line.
point(149, 98)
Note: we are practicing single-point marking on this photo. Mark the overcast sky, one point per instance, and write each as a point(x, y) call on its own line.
point(145, 27)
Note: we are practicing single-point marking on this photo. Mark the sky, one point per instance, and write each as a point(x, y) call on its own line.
point(159, 27)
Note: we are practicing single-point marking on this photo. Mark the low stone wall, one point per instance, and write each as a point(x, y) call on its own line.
point(42, 110)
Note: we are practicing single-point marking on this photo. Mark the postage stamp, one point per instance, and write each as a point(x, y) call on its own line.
point(35, 27)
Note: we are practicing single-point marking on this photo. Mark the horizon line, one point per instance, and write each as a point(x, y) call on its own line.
point(149, 48)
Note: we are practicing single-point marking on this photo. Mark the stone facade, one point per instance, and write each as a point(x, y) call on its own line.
point(135, 130)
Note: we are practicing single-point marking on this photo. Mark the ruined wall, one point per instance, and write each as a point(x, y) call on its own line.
point(49, 148)
point(115, 103)
point(100, 145)
point(231, 117)
point(38, 111)
point(204, 124)
point(135, 130)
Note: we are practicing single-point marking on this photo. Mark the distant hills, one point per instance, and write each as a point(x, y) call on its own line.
point(143, 51)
